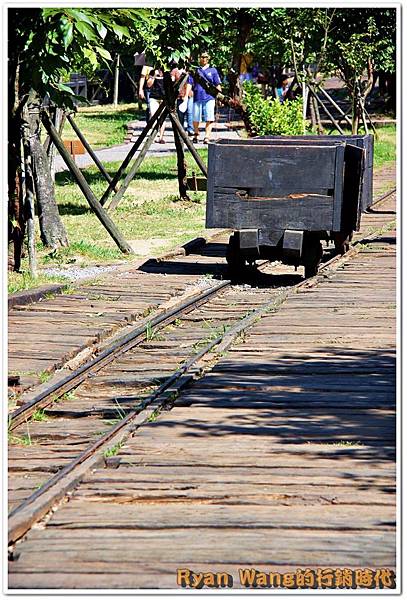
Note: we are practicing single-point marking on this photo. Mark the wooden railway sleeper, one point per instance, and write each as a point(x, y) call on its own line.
point(32, 509)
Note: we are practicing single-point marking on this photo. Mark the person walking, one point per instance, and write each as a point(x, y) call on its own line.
point(155, 85)
point(185, 100)
point(204, 103)
point(283, 90)
point(143, 91)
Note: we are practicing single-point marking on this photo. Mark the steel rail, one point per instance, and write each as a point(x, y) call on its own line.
point(40, 502)
point(123, 344)
point(381, 198)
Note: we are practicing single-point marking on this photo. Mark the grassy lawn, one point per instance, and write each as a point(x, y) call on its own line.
point(385, 146)
point(103, 126)
point(149, 212)
point(150, 216)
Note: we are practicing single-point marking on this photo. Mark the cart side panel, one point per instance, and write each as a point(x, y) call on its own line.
point(275, 187)
point(210, 218)
point(309, 213)
point(276, 170)
point(365, 141)
point(355, 159)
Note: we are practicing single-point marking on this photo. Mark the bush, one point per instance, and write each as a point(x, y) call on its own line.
point(270, 116)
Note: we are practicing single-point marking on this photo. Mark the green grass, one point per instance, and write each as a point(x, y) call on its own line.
point(103, 126)
point(150, 216)
point(113, 450)
point(82, 249)
point(154, 415)
point(68, 396)
point(44, 376)
point(17, 440)
point(385, 146)
point(23, 440)
point(39, 415)
point(23, 281)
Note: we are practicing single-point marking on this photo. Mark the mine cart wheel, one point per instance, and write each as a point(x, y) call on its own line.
point(312, 251)
point(342, 242)
point(234, 257)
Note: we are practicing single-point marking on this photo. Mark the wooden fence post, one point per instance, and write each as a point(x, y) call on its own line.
point(338, 108)
point(85, 188)
point(171, 100)
point(88, 148)
point(151, 123)
point(331, 118)
point(132, 173)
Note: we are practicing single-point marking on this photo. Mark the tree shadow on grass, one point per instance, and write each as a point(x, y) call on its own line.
point(126, 115)
point(64, 178)
point(70, 208)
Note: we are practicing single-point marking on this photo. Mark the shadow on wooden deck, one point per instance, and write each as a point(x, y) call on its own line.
point(344, 400)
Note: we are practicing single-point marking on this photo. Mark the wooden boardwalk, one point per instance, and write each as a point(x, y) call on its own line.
point(44, 335)
point(283, 457)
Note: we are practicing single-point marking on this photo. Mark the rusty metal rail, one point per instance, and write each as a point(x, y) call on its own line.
point(41, 501)
point(125, 343)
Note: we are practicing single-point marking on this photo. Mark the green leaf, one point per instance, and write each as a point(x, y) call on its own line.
point(86, 31)
point(121, 30)
point(50, 12)
point(103, 53)
point(65, 88)
point(102, 31)
point(67, 32)
point(91, 56)
point(80, 16)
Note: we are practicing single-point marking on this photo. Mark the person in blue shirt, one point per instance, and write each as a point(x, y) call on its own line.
point(204, 103)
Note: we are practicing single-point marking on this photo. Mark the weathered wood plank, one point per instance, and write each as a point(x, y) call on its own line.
point(264, 169)
point(313, 213)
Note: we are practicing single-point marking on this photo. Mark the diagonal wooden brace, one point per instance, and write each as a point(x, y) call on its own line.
point(144, 134)
point(101, 214)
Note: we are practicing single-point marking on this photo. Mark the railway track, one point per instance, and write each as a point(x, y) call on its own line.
point(135, 336)
point(251, 463)
point(127, 386)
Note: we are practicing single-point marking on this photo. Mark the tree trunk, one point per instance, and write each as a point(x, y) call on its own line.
point(116, 80)
point(320, 129)
point(29, 213)
point(312, 113)
point(244, 26)
point(355, 111)
point(363, 93)
point(52, 230)
point(16, 223)
point(17, 98)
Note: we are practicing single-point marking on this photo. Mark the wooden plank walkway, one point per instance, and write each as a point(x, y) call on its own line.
point(43, 335)
point(283, 457)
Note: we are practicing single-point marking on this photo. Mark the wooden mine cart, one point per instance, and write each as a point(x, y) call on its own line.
point(283, 195)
